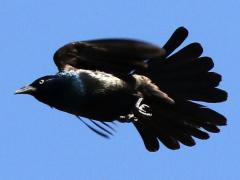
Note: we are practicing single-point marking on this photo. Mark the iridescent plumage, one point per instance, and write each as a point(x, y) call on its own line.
point(136, 82)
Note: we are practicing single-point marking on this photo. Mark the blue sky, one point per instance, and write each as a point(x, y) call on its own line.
point(44, 144)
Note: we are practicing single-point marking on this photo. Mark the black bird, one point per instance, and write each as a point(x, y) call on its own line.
point(136, 82)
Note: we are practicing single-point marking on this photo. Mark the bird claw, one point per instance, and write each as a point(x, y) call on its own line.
point(142, 109)
point(139, 110)
point(128, 118)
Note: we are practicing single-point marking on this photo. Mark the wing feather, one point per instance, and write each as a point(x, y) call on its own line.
point(109, 55)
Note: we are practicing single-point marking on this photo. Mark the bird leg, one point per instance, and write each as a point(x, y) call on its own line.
point(140, 110)
point(128, 118)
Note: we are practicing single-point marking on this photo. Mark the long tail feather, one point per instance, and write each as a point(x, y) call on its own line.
point(150, 140)
point(178, 123)
point(184, 76)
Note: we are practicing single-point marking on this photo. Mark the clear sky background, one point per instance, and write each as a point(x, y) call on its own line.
point(39, 143)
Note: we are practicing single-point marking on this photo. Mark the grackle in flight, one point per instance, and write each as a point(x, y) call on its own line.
point(132, 81)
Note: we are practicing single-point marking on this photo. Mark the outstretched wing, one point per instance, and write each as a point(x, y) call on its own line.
point(186, 77)
point(109, 55)
point(186, 74)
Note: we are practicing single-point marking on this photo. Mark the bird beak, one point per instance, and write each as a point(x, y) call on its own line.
point(26, 90)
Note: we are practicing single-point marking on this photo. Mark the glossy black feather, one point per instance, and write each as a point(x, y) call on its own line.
point(103, 80)
point(185, 74)
point(109, 55)
point(150, 140)
point(175, 40)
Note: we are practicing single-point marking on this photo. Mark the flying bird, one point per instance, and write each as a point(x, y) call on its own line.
point(131, 81)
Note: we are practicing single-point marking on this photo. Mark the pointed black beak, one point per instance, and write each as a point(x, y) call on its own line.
point(26, 90)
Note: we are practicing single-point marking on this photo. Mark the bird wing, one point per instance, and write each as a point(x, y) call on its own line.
point(186, 74)
point(186, 77)
point(183, 75)
point(109, 55)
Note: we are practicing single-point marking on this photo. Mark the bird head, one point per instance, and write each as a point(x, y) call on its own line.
point(44, 89)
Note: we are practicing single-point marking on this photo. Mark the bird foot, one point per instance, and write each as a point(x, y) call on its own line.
point(128, 118)
point(142, 109)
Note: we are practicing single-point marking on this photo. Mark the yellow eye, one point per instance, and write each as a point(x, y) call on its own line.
point(41, 81)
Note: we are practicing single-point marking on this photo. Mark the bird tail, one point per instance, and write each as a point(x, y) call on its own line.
point(177, 123)
point(184, 76)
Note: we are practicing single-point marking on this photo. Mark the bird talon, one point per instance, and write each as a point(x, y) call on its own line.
point(145, 113)
point(128, 118)
point(142, 108)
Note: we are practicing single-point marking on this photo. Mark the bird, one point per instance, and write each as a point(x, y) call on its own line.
point(160, 90)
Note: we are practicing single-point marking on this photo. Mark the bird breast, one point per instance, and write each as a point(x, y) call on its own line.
point(94, 91)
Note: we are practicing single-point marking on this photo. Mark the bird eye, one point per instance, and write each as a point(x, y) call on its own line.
point(41, 81)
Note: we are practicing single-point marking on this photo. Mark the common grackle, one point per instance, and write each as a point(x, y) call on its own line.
point(132, 81)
